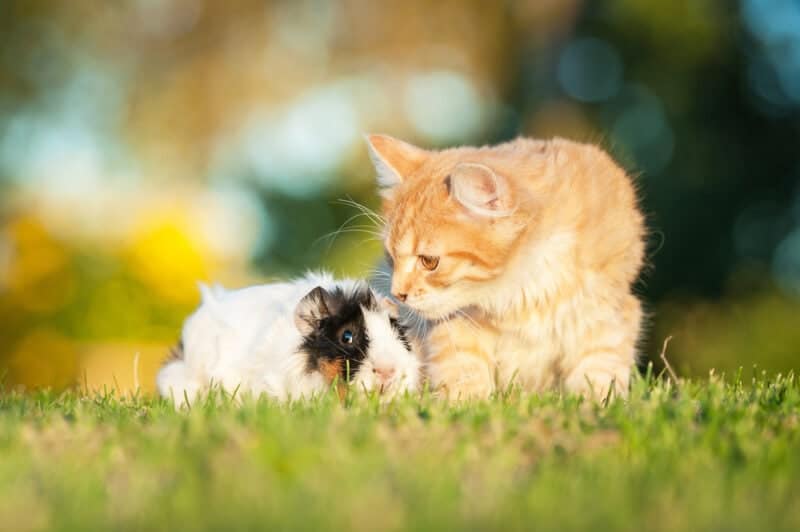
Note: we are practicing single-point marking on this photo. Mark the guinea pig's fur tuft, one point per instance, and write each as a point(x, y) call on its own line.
point(335, 333)
point(350, 335)
point(390, 366)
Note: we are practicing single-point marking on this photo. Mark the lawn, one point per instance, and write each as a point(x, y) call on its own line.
point(703, 455)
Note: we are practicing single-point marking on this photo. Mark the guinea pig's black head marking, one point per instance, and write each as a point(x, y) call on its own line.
point(334, 333)
point(401, 331)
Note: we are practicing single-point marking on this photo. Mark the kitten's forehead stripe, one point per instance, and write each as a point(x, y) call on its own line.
point(470, 256)
point(402, 232)
point(405, 238)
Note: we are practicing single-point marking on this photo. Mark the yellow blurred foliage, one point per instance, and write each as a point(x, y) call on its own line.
point(168, 257)
point(124, 367)
point(37, 276)
point(43, 358)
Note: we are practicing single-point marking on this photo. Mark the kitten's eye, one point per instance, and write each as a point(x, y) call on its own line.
point(428, 262)
point(347, 336)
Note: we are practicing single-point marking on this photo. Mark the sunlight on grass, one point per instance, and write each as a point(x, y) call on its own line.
point(702, 455)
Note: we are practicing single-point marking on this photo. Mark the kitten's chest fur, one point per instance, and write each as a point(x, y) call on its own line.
point(529, 344)
point(542, 330)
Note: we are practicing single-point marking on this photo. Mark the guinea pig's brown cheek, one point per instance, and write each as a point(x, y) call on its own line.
point(331, 369)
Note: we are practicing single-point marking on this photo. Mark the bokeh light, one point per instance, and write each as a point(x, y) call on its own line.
point(590, 70)
point(444, 107)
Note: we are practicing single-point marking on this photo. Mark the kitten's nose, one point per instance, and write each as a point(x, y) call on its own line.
point(384, 374)
point(401, 297)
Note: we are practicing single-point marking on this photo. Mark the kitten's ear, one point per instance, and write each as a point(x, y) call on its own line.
point(394, 160)
point(314, 306)
point(480, 190)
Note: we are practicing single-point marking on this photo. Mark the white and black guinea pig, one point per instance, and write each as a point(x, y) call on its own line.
point(290, 340)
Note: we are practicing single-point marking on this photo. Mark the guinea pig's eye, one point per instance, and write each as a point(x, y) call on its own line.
point(347, 336)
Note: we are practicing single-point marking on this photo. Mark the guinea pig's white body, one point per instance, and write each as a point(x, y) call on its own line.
point(248, 341)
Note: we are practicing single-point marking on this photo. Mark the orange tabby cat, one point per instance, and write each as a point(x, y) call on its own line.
point(523, 255)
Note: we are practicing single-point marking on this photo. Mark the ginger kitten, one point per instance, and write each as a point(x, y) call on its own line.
point(523, 256)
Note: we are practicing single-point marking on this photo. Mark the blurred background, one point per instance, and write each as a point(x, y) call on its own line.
point(148, 144)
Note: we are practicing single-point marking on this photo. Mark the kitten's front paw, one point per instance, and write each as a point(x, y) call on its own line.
point(461, 377)
point(598, 378)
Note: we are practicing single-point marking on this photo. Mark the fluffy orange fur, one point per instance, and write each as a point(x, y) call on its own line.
point(522, 255)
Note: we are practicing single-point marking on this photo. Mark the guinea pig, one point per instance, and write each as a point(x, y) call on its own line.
point(290, 340)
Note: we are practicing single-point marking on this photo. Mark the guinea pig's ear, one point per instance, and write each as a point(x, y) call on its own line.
point(314, 306)
point(390, 306)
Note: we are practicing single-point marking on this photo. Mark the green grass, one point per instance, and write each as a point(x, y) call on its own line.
point(705, 456)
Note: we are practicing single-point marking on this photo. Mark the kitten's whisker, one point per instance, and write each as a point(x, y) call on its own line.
point(363, 211)
point(422, 328)
point(361, 230)
point(472, 328)
point(420, 324)
point(380, 274)
point(335, 234)
point(463, 314)
point(374, 216)
point(369, 228)
point(332, 234)
point(345, 228)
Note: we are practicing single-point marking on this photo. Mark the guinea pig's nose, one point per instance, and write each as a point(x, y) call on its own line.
point(401, 297)
point(384, 374)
